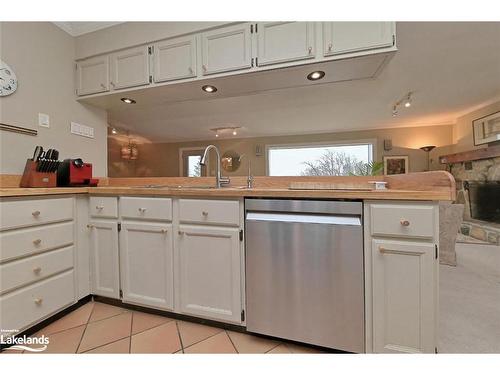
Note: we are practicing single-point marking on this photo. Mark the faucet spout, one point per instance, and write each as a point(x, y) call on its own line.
point(219, 180)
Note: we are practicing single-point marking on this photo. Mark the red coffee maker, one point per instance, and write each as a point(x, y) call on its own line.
point(74, 172)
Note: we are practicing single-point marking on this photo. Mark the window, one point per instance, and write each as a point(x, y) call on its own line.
point(189, 159)
point(319, 159)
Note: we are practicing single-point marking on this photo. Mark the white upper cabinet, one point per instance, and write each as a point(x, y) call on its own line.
point(146, 256)
point(130, 68)
point(92, 75)
point(175, 59)
point(345, 37)
point(404, 296)
point(280, 42)
point(104, 258)
point(210, 272)
point(226, 49)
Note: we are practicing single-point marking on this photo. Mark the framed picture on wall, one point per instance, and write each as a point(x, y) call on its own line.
point(486, 129)
point(395, 165)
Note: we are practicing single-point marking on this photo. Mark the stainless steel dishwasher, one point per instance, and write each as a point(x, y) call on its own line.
point(304, 271)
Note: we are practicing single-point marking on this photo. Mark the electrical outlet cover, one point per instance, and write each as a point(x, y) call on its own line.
point(43, 120)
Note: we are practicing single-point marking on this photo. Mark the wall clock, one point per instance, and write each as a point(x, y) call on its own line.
point(8, 80)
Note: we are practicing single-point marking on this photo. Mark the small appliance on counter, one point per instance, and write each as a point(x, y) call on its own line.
point(74, 172)
point(41, 169)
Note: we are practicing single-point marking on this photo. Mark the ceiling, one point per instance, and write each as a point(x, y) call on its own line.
point(452, 68)
point(80, 28)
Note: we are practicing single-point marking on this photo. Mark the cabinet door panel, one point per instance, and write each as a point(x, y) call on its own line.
point(104, 257)
point(92, 75)
point(175, 59)
point(345, 37)
point(226, 49)
point(210, 272)
point(280, 42)
point(404, 297)
point(130, 68)
point(147, 264)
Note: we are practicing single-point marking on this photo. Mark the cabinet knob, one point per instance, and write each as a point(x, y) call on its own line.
point(112, 83)
point(204, 213)
point(310, 49)
point(405, 223)
point(38, 241)
point(330, 47)
point(36, 213)
point(164, 231)
point(204, 67)
point(99, 208)
point(37, 270)
point(103, 85)
point(38, 301)
point(141, 210)
point(90, 226)
point(191, 71)
point(181, 233)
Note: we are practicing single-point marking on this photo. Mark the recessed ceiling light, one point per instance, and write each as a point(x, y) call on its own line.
point(208, 88)
point(314, 76)
point(128, 100)
point(216, 135)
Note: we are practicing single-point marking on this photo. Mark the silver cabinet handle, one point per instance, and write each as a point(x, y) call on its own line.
point(99, 208)
point(112, 83)
point(204, 67)
point(204, 213)
point(310, 49)
point(36, 213)
point(38, 301)
point(38, 241)
point(330, 47)
point(191, 71)
point(141, 210)
point(405, 223)
point(37, 270)
point(103, 85)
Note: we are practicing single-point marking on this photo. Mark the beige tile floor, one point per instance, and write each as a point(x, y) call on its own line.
point(100, 328)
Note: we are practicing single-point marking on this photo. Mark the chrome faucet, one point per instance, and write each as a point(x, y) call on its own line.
point(219, 180)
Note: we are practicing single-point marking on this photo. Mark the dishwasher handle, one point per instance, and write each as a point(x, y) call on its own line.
point(304, 218)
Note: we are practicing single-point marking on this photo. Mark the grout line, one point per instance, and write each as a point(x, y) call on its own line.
point(274, 347)
point(85, 330)
point(232, 343)
point(130, 336)
point(100, 346)
point(206, 338)
point(149, 329)
point(180, 338)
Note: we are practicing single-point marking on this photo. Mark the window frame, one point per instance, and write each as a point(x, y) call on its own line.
point(181, 159)
point(357, 142)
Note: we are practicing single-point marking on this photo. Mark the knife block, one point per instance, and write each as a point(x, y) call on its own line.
point(33, 179)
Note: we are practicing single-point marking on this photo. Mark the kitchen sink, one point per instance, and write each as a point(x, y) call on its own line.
point(201, 187)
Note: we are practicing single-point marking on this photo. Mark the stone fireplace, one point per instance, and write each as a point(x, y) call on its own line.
point(478, 188)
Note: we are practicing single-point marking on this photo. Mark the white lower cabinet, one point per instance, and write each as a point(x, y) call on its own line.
point(104, 258)
point(210, 272)
point(403, 296)
point(401, 276)
point(146, 263)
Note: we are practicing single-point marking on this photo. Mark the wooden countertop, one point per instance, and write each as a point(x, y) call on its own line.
point(433, 186)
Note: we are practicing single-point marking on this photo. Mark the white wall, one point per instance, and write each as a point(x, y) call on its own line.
point(42, 56)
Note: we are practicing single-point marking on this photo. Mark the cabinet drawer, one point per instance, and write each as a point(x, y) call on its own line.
point(146, 208)
point(23, 242)
point(402, 220)
point(25, 271)
point(209, 211)
point(104, 207)
point(23, 213)
point(26, 306)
